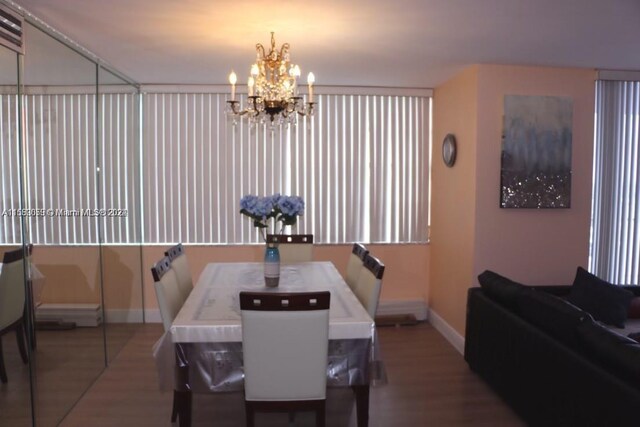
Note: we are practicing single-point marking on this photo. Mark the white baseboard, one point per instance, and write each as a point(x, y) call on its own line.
point(152, 315)
point(392, 308)
point(447, 331)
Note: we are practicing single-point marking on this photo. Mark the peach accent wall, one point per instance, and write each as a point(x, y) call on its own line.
point(72, 272)
point(531, 246)
point(453, 196)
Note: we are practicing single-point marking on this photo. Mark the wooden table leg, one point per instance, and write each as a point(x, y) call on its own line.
point(362, 404)
point(182, 393)
point(184, 408)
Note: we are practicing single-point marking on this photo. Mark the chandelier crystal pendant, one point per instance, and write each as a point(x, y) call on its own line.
point(272, 89)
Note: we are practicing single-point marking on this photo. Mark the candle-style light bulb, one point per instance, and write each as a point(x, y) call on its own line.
point(311, 79)
point(255, 70)
point(233, 79)
point(250, 83)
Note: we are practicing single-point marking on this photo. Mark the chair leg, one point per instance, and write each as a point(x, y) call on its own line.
point(21, 336)
point(320, 415)
point(3, 373)
point(174, 409)
point(249, 413)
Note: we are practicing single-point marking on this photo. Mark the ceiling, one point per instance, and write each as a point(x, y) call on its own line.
point(400, 43)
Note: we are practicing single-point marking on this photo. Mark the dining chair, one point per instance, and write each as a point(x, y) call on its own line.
point(12, 304)
point(169, 303)
point(356, 261)
point(285, 340)
point(180, 265)
point(369, 283)
point(293, 247)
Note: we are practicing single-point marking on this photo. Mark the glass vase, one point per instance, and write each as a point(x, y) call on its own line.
point(272, 266)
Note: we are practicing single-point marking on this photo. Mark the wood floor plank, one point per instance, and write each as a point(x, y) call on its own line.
point(429, 385)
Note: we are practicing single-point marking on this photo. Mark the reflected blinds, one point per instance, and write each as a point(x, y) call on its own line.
point(62, 156)
point(615, 228)
point(361, 164)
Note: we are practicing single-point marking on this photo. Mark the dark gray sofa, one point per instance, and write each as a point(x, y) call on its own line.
point(550, 361)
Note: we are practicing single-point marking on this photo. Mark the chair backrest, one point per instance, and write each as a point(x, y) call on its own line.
point(285, 340)
point(167, 291)
point(293, 247)
point(180, 265)
point(12, 287)
point(356, 261)
point(369, 283)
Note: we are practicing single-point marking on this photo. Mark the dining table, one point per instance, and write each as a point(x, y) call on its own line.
point(202, 351)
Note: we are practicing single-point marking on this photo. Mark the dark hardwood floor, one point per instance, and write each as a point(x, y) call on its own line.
point(65, 362)
point(429, 385)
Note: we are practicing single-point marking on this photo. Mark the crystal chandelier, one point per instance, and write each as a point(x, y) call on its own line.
point(272, 89)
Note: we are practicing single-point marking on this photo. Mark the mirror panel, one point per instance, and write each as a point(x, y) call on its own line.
point(121, 244)
point(15, 394)
point(60, 164)
point(70, 159)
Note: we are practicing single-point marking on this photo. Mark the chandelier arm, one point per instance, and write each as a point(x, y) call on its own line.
point(307, 110)
point(260, 50)
point(234, 106)
point(284, 49)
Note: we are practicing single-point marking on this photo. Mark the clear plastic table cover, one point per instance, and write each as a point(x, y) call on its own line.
point(202, 352)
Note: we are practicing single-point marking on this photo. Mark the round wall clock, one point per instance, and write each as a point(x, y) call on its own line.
point(449, 150)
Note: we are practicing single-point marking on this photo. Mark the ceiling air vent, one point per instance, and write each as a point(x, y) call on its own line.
point(11, 30)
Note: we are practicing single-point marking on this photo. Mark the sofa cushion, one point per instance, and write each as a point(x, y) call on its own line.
point(500, 288)
point(604, 301)
point(611, 349)
point(553, 315)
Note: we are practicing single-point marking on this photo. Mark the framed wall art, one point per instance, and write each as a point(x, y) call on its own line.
point(536, 152)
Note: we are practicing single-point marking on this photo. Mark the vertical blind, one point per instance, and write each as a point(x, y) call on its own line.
point(615, 227)
point(360, 163)
point(10, 230)
point(77, 186)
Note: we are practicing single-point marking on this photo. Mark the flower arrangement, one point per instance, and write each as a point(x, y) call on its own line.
point(272, 209)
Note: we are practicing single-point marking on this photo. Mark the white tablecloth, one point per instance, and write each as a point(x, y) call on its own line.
point(202, 352)
point(212, 311)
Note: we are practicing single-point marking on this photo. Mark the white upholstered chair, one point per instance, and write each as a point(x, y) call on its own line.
point(355, 264)
point(169, 302)
point(369, 283)
point(285, 340)
point(180, 265)
point(293, 247)
point(12, 304)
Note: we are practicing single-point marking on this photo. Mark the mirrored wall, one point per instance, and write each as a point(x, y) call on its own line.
point(70, 145)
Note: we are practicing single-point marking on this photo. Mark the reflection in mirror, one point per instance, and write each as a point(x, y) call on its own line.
point(120, 198)
point(78, 180)
point(62, 151)
point(15, 396)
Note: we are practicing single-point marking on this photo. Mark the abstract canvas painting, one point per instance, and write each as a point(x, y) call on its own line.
point(536, 152)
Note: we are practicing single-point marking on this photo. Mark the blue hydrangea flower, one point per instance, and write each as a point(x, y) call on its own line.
point(275, 199)
point(249, 203)
point(291, 206)
point(264, 207)
point(282, 209)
